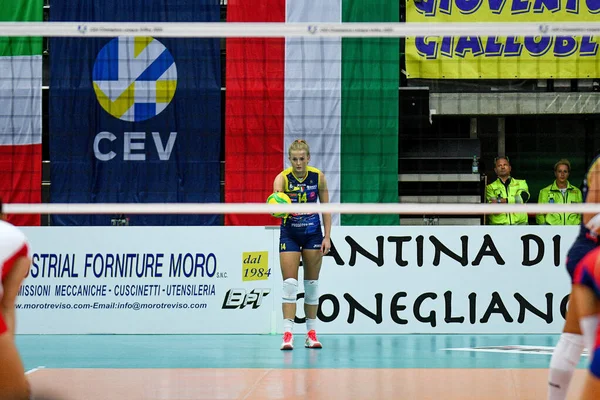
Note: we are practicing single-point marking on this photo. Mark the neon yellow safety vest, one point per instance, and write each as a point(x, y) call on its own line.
point(496, 190)
point(552, 194)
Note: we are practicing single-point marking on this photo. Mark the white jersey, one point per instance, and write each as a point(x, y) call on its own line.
point(12, 240)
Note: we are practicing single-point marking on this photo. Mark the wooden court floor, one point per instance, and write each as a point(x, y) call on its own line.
point(293, 384)
point(90, 367)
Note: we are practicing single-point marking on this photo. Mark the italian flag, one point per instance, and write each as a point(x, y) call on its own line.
point(21, 111)
point(340, 95)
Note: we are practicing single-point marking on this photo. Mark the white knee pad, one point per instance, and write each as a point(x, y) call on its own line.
point(567, 353)
point(311, 292)
point(290, 290)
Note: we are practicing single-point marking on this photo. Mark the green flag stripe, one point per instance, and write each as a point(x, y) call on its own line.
point(369, 145)
point(19, 11)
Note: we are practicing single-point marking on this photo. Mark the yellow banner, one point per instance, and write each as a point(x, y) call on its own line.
point(255, 266)
point(495, 57)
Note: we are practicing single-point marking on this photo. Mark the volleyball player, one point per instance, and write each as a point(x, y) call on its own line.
point(568, 350)
point(586, 292)
point(301, 237)
point(14, 266)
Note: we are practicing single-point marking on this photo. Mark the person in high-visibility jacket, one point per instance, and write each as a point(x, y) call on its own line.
point(560, 192)
point(506, 190)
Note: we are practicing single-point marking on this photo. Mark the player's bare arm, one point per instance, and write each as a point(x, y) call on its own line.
point(278, 183)
point(324, 198)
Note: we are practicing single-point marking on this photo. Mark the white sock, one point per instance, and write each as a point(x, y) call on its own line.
point(589, 327)
point(288, 325)
point(310, 324)
point(564, 360)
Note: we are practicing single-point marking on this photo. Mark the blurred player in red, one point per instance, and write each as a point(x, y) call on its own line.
point(586, 292)
point(14, 266)
point(568, 350)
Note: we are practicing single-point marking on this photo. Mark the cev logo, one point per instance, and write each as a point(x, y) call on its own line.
point(134, 78)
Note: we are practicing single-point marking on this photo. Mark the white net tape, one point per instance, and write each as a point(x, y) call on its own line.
point(259, 208)
point(229, 29)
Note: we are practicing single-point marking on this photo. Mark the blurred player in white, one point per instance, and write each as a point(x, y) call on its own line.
point(14, 266)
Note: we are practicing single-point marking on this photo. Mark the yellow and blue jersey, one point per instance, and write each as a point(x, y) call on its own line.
point(302, 190)
point(301, 231)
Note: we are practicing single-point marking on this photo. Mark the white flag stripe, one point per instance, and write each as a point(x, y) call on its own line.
point(313, 11)
point(20, 100)
point(20, 72)
point(313, 74)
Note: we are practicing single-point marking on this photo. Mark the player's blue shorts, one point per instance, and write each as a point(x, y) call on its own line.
point(576, 253)
point(300, 238)
point(595, 364)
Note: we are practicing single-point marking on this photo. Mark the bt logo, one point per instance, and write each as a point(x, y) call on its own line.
point(239, 298)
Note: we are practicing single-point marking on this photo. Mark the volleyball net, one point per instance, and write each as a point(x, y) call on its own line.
point(189, 122)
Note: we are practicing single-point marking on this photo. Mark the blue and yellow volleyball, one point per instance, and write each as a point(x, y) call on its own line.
point(279, 198)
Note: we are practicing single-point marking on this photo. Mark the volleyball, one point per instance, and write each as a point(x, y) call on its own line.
point(279, 198)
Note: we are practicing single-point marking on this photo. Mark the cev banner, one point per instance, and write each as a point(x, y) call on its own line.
point(494, 57)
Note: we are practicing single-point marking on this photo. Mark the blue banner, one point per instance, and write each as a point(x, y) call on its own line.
point(135, 120)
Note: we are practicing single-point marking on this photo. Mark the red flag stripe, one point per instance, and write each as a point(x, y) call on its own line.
point(21, 179)
point(254, 110)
